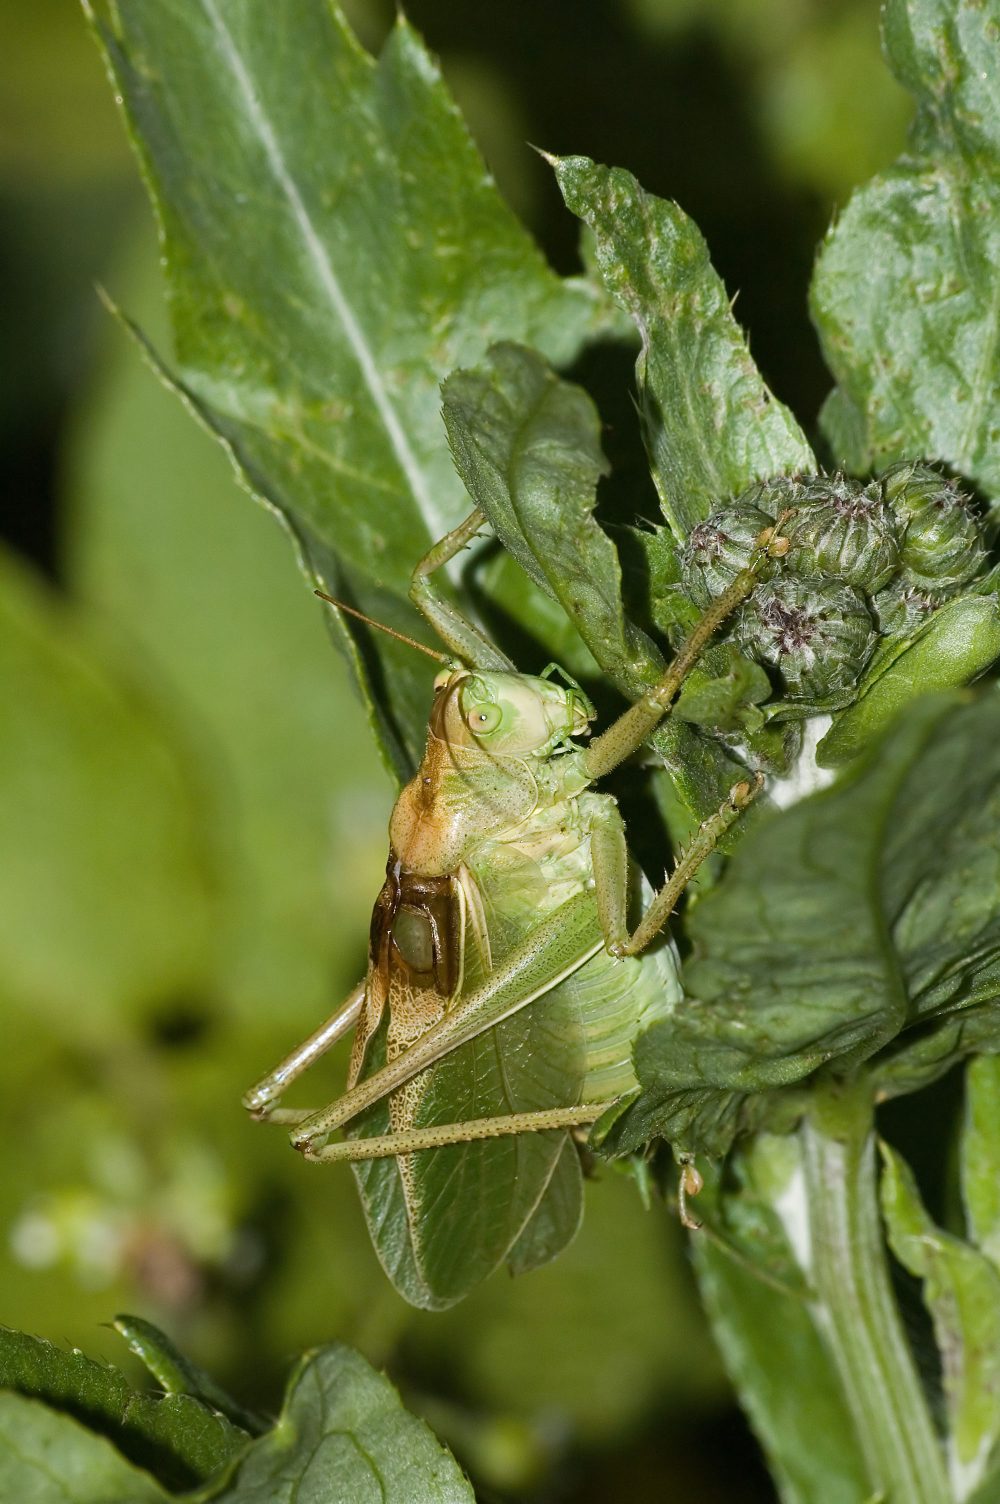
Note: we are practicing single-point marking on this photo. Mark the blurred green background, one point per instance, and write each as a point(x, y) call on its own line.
point(192, 815)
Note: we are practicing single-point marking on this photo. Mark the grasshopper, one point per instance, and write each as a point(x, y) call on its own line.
point(504, 987)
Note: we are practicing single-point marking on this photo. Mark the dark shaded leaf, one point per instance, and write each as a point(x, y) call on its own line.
point(176, 1437)
point(863, 910)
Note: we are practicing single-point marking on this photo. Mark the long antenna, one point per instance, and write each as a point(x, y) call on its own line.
point(410, 641)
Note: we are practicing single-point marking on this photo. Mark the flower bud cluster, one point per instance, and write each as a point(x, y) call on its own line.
point(865, 560)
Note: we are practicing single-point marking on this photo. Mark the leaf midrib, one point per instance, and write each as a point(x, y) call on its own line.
point(326, 275)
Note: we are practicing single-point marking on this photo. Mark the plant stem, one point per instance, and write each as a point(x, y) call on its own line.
point(855, 1303)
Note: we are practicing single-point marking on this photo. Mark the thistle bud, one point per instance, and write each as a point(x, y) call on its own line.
point(942, 548)
point(719, 548)
point(903, 607)
point(816, 635)
point(845, 531)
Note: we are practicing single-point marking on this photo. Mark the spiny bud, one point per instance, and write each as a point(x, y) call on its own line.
point(817, 635)
point(942, 548)
point(903, 607)
point(720, 547)
point(843, 530)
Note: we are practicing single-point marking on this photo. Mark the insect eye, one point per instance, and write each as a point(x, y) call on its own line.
point(484, 717)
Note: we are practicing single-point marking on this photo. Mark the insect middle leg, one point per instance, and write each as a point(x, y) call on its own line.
point(609, 854)
point(263, 1098)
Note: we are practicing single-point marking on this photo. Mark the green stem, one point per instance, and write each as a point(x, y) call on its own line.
point(855, 1303)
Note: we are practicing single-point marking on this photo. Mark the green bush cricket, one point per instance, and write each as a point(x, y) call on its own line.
point(506, 887)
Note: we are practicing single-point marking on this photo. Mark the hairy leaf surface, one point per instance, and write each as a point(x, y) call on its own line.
point(710, 423)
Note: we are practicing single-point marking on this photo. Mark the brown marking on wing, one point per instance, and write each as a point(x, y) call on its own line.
point(414, 960)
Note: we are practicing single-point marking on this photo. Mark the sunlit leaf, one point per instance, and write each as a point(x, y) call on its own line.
point(758, 1298)
point(711, 425)
point(271, 139)
point(48, 1458)
point(980, 1154)
point(343, 1434)
point(955, 645)
point(962, 1293)
point(906, 294)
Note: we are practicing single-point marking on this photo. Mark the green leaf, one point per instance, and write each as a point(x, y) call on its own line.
point(528, 448)
point(47, 1458)
point(961, 1290)
point(104, 881)
point(981, 1154)
point(342, 1434)
point(722, 691)
point(333, 248)
point(711, 425)
point(767, 1327)
point(906, 294)
point(865, 909)
point(176, 1374)
point(958, 642)
point(176, 1437)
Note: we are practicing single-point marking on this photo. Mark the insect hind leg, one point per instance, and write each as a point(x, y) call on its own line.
point(261, 1101)
point(438, 1136)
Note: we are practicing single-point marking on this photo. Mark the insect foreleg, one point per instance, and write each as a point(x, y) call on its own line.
point(465, 640)
point(437, 1137)
point(627, 734)
point(610, 859)
point(558, 946)
point(262, 1100)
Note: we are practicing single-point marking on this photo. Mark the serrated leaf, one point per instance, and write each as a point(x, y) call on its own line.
point(176, 1437)
point(959, 642)
point(711, 426)
point(333, 248)
point(528, 448)
point(961, 1290)
point(906, 294)
point(176, 1374)
point(104, 881)
point(342, 1434)
point(865, 909)
point(48, 1458)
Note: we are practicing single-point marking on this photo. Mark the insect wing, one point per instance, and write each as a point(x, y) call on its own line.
point(443, 1219)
